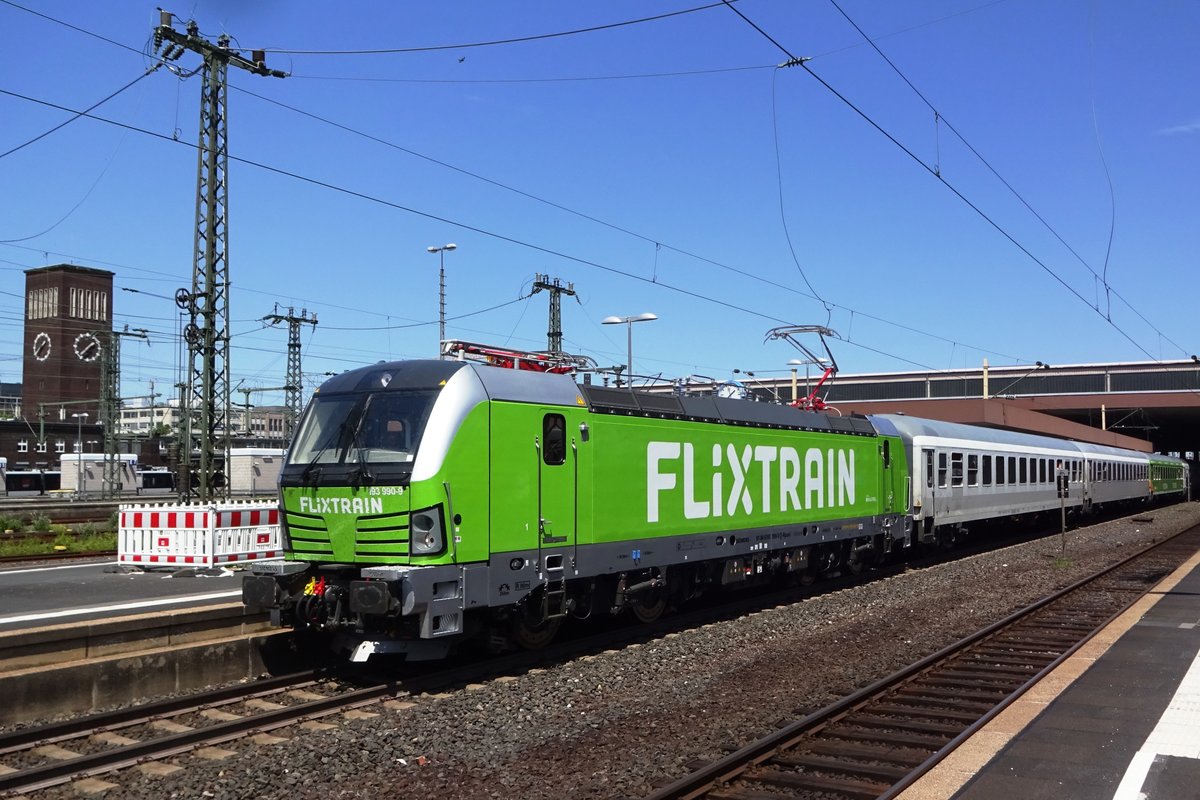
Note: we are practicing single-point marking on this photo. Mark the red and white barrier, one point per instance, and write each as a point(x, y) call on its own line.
point(205, 536)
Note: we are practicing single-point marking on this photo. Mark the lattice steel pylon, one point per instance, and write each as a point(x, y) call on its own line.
point(110, 407)
point(205, 413)
point(293, 383)
point(556, 290)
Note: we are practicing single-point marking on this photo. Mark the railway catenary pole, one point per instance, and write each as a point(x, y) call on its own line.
point(205, 412)
point(556, 290)
point(294, 375)
point(110, 408)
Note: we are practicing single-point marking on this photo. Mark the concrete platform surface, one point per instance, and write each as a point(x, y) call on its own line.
point(1120, 719)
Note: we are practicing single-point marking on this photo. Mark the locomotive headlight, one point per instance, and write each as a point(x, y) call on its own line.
point(426, 529)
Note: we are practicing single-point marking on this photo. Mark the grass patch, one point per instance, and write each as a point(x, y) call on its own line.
point(10, 523)
point(93, 542)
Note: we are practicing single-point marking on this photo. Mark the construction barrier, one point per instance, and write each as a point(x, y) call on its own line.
point(206, 536)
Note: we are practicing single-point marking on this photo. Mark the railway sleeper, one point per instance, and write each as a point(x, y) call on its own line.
point(867, 719)
point(842, 765)
point(917, 697)
point(857, 789)
point(961, 692)
point(891, 754)
point(893, 736)
point(987, 671)
point(1009, 660)
point(988, 682)
point(926, 713)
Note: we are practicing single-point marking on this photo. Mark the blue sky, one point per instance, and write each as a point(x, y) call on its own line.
point(661, 166)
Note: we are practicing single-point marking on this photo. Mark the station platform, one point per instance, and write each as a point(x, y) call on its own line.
point(1118, 720)
point(88, 590)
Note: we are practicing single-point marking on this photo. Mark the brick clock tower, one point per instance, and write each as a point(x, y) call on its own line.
point(68, 324)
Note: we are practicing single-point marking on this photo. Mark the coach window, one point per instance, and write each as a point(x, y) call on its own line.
point(554, 437)
point(942, 470)
point(23, 446)
point(987, 470)
point(1024, 462)
point(956, 468)
point(1041, 470)
point(999, 470)
point(929, 469)
point(972, 469)
point(1012, 469)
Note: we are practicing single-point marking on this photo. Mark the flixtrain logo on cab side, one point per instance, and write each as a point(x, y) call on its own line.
point(784, 479)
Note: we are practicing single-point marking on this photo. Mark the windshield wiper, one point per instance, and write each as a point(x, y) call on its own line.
point(361, 474)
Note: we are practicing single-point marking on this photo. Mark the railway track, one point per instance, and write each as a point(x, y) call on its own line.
point(106, 742)
point(879, 740)
point(63, 512)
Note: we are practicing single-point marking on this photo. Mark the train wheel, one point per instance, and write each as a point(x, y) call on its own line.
point(649, 605)
point(530, 630)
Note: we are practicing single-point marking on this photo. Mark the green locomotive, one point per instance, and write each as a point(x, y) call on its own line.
point(423, 502)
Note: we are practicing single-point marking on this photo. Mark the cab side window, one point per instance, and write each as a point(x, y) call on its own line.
point(554, 439)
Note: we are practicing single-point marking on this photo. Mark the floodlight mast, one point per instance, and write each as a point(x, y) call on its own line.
point(811, 402)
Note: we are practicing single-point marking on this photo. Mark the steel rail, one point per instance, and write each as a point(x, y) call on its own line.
point(52, 774)
point(26, 738)
point(724, 770)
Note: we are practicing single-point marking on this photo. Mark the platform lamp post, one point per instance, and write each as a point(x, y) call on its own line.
point(628, 323)
point(441, 251)
point(79, 479)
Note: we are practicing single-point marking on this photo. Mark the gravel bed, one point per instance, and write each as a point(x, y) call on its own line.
point(617, 725)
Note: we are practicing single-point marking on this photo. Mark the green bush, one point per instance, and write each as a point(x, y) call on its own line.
point(39, 522)
point(59, 528)
point(11, 523)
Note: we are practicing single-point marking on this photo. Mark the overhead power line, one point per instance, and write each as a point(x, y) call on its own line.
point(940, 118)
point(828, 305)
point(79, 114)
point(399, 207)
point(613, 226)
point(491, 43)
point(794, 61)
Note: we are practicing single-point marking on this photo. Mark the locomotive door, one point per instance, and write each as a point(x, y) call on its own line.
point(556, 490)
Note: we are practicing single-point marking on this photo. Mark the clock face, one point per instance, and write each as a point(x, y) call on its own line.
point(41, 346)
point(87, 346)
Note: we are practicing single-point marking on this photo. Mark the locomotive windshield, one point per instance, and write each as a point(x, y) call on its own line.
point(363, 428)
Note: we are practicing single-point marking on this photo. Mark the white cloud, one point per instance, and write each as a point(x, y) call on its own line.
point(1190, 127)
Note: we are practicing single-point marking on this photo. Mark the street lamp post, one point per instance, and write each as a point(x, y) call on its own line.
point(441, 251)
point(628, 323)
point(79, 480)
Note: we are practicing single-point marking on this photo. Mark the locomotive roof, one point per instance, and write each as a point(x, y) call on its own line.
point(724, 410)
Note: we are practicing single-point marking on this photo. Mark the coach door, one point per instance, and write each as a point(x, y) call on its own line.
point(929, 488)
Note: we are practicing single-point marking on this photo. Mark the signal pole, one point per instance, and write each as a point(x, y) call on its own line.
point(292, 383)
point(556, 290)
point(205, 412)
